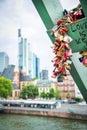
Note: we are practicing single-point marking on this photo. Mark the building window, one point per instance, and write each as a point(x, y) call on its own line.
point(40, 89)
point(46, 89)
point(66, 89)
point(72, 94)
point(15, 93)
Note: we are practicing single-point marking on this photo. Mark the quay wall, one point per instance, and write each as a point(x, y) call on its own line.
point(44, 112)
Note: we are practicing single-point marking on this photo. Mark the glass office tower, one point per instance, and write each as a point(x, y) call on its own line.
point(4, 61)
point(35, 66)
point(24, 54)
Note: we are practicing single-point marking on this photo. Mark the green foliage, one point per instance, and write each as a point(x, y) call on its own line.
point(68, 95)
point(78, 99)
point(29, 91)
point(34, 79)
point(58, 94)
point(23, 93)
point(47, 95)
point(51, 93)
point(43, 95)
point(5, 87)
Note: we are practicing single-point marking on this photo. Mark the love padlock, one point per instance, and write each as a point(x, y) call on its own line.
point(60, 69)
point(57, 62)
point(67, 39)
point(57, 43)
point(84, 61)
point(68, 67)
point(67, 46)
point(68, 53)
point(59, 22)
point(54, 74)
point(55, 51)
point(83, 53)
point(59, 54)
point(62, 51)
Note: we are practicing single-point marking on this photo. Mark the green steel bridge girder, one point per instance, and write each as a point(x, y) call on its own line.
point(48, 12)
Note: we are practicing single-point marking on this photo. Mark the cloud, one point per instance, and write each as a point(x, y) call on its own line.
point(22, 14)
point(69, 4)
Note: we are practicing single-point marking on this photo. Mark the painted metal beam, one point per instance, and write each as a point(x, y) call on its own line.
point(46, 11)
point(84, 6)
point(78, 72)
point(78, 32)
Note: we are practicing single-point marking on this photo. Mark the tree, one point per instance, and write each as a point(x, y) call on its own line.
point(68, 95)
point(51, 93)
point(35, 91)
point(43, 94)
point(78, 99)
point(5, 87)
point(58, 94)
point(29, 91)
point(47, 95)
point(23, 93)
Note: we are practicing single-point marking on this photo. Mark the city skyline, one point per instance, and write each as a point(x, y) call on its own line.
point(22, 14)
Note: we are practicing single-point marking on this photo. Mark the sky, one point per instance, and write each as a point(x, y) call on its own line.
point(22, 14)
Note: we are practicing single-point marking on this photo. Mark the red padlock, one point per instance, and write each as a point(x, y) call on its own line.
point(67, 46)
point(64, 58)
point(57, 43)
point(65, 29)
point(62, 32)
point(54, 74)
point(55, 51)
point(84, 61)
point(57, 62)
point(60, 69)
point(59, 22)
point(68, 53)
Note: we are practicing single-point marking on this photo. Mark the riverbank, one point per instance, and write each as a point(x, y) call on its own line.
point(70, 111)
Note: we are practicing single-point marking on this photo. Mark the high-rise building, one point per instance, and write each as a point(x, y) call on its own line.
point(44, 74)
point(24, 54)
point(26, 59)
point(30, 61)
point(4, 61)
point(35, 66)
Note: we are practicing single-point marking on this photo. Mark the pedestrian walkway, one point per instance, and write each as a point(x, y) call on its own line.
point(73, 108)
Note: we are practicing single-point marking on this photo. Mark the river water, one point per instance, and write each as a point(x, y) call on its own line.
point(26, 122)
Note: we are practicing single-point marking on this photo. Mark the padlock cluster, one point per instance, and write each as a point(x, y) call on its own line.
point(83, 58)
point(75, 14)
point(61, 49)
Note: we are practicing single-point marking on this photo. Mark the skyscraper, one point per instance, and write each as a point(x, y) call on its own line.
point(35, 66)
point(4, 61)
point(24, 54)
point(26, 58)
point(44, 74)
